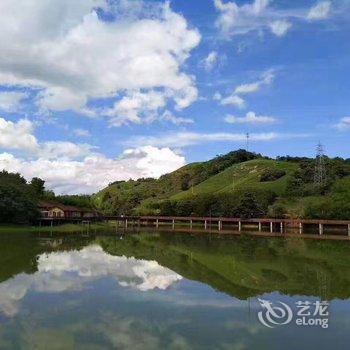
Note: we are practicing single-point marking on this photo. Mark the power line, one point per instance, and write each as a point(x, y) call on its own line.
point(247, 141)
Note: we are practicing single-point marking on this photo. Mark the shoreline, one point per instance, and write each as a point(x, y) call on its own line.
point(65, 228)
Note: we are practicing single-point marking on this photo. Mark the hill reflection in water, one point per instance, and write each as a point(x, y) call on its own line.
point(156, 291)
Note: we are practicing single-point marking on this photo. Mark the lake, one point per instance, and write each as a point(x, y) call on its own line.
point(173, 291)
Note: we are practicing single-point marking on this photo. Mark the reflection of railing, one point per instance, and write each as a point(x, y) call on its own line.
point(264, 226)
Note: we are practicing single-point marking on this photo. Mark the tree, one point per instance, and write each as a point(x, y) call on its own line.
point(38, 186)
point(16, 205)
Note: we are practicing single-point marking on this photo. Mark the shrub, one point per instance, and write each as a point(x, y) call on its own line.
point(271, 175)
point(277, 211)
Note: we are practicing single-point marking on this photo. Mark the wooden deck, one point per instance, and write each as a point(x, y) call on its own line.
point(224, 225)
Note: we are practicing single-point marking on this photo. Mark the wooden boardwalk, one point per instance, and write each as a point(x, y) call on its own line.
point(264, 226)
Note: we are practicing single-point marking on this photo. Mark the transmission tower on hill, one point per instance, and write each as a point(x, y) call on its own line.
point(320, 166)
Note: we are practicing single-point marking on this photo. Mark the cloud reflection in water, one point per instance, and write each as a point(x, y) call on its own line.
point(73, 270)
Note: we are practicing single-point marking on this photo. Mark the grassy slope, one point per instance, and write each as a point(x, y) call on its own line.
point(242, 176)
point(150, 188)
point(169, 184)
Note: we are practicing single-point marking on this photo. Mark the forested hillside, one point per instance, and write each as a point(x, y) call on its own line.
point(237, 184)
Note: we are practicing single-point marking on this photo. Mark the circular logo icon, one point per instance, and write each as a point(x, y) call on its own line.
point(274, 315)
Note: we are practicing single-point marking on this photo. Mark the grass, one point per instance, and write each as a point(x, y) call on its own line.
point(14, 229)
point(242, 176)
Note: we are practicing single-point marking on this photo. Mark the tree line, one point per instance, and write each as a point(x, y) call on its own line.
point(19, 198)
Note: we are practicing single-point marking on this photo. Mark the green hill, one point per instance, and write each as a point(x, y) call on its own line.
point(123, 196)
point(239, 183)
point(243, 176)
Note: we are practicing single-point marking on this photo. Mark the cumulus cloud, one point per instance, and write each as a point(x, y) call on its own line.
point(18, 135)
point(250, 118)
point(136, 107)
point(344, 124)
point(95, 171)
point(209, 62)
point(69, 167)
point(68, 52)
point(320, 11)
point(142, 107)
point(10, 101)
point(74, 270)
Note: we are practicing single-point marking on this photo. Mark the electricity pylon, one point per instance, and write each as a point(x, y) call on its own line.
point(320, 166)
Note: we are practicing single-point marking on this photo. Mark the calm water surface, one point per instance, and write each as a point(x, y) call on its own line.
point(171, 291)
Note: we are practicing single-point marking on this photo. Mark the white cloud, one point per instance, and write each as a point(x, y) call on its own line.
point(139, 107)
point(94, 171)
point(260, 15)
point(18, 135)
point(266, 79)
point(64, 48)
point(320, 11)
point(63, 150)
point(74, 270)
point(136, 107)
point(233, 100)
point(168, 116)
point(10, 101)
point(280, 27)
point(81, 132)
point(210, 61)
point(250, 118)
point(344, 124)
point(237, 20)
point(70, 168)
point(247, 88)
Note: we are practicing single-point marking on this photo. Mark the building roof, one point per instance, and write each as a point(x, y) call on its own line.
point(65, 208)
point(50, 205)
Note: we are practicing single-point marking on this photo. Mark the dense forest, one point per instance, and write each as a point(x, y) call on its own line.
point(18, 198)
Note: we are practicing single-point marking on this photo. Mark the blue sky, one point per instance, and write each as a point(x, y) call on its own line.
point(96, 91)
